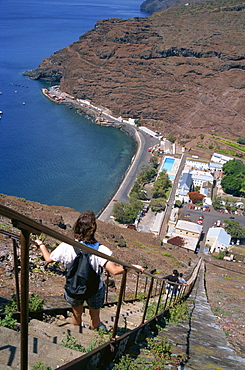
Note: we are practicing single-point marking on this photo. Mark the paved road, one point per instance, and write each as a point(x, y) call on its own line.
point(145, 142)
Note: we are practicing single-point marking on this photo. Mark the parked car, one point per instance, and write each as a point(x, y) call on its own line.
point(131, 227)
point(201, 217)
point(199, 222)
point(145, 209)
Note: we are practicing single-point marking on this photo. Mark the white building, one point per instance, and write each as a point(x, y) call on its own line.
point(217, 239)
point(220, 158)
point(215, 166)
point(201, 177)
point(196, 163)
point(206, 190)
point(186, 235)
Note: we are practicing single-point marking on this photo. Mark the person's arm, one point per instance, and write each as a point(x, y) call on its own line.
point(44, 251)
point(113, 268)
point(116, 270)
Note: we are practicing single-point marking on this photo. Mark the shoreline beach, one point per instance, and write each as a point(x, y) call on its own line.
point(144, 143)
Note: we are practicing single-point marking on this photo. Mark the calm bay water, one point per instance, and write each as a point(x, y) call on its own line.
point(49, 153)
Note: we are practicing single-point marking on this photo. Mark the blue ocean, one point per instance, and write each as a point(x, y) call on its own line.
point(49, 153)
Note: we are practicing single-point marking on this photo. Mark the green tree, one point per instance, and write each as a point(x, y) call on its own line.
point(178, 203)
point(241, 140)
point(158, 204)
point(126, 213)
point(233, 228)
point(154, 161)
point(137, 191)
point(217, 202)
point(231, 184)
point(147, 173)
point(235, 166)
point(171, 138)
point(161, 185)
point(118, 210)
point(234, 181)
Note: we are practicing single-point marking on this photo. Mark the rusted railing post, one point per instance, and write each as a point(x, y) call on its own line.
point(147, 300)
point(166, 300)
point(24, 307)
point(16, 274)
point(156, 288)
point(146, 280)
point(137, 286)
point(107, 287)
point(119, 304)
point(160, 297)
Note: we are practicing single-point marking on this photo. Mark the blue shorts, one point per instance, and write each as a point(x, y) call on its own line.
point(95, 302)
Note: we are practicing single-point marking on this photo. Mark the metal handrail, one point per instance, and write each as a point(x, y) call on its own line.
point(28, 226)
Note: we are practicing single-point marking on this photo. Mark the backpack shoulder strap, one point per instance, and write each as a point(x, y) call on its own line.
point(77, 250)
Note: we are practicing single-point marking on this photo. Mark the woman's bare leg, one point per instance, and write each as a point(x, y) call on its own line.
point(95, 318)
point(77, 315)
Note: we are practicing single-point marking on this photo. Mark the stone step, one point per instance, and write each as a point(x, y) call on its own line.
point(58, 330)
point(6, 367)
point(39, 350)
point(46, 336)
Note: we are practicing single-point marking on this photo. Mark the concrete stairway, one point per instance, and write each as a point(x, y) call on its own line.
point(200, 337)
point(39, 350)
point(45, 337)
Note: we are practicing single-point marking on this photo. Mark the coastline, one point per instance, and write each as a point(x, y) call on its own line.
point(103, 117)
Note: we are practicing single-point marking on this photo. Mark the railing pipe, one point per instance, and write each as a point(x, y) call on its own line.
point(160, 297)
point(147, 300)
point(119, 304)
point(166, 300)
point(24, 307)
point(16, 274)
point(156, 287)
point(124, 291)
point(137, 286)
point(107, 287)
point(146, 281)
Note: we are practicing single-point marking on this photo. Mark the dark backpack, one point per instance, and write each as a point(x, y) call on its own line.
point(82, 281)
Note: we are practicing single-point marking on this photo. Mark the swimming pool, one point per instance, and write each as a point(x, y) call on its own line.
point(168, 164)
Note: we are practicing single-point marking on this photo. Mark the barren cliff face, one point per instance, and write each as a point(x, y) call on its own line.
point(180, 71)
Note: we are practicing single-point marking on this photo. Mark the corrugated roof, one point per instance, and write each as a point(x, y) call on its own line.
point(219, 233)
point(189, 226)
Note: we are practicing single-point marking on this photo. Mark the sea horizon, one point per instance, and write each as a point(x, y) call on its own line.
point(48, 153)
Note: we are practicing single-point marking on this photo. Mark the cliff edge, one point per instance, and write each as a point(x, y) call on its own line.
point(180, 70)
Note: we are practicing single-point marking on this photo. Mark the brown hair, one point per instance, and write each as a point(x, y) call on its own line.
point(85, 227)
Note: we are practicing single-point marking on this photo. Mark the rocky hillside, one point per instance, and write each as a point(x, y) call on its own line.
point(127, 245)
point(151, 6)
point(180, 70)
point(224, 280)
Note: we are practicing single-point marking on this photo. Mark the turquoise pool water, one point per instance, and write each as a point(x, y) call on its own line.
point(168, 164)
